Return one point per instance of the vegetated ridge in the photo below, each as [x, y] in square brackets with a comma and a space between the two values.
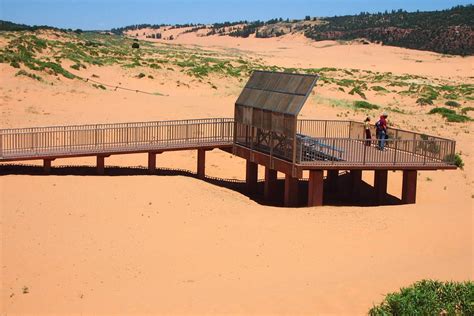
[448, 31]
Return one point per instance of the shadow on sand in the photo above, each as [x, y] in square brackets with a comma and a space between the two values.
[339, 197]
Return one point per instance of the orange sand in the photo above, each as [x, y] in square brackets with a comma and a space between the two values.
[177, 245]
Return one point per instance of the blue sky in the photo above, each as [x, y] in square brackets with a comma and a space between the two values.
[106, 14]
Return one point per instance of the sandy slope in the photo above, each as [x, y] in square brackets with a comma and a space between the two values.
[295, 50]
[176, 245]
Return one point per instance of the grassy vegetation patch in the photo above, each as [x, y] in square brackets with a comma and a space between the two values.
[424, 101]
[99, 86]
[429, 297]
[467, 109]
[358, 90]
[450, 115]
[365, 105]
[453, 104]
[379, 89]
[27, 74]
[456, 160]
[396, 110]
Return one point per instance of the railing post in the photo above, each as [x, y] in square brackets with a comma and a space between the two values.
[365, 153]
[395, 152]
[301, 151]
[222, 129]
[414, 143]
[35, 141]
[424, 152]
[333, 149]
[127, 131]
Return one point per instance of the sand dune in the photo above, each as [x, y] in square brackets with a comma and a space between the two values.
[176, 245]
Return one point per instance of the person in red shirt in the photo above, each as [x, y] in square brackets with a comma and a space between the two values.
[381, 130]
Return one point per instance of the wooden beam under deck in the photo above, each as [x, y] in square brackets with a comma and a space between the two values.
[251, 176]
[315, 188]
[409, 186]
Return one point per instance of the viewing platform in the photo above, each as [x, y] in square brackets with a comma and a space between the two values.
[265, 131]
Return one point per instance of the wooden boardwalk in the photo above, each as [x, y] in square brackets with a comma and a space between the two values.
[336, 152]
[112, 139]
[321, 147]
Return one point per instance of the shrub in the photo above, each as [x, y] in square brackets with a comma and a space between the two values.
[135, 45]
[27, 74]
[15, 64]
[379, 89]
[455, 159]
[442, 111]
[76, 66]
[359, 91]
[450, 115]
[451, 96]
[99, 86]
[453, 104]
[467, 109]
[457, 118]
[155, 66]
[365, 105]
[424, 101]
[141, 75]
[429, 297]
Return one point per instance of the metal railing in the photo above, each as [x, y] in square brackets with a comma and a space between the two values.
[344, 142]
[106, 138]
[319, 142]
[348, 151]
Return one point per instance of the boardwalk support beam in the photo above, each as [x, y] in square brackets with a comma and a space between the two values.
[101, 164]
[409, 186]
[271, 184]
[291, 191]
[355, 183]
[315, 188]
[380, 185]
[332, 179]
[251, 176]
[152, 162]
[201, 163]
[47, 166]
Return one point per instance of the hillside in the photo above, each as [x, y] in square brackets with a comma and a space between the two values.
[448, 32]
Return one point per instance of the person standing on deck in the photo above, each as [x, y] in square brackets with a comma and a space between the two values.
[368, 134]
[381, 130]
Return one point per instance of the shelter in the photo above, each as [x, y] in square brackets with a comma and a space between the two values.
[266, 112]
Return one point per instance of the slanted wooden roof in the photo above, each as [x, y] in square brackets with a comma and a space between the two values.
[278, 92]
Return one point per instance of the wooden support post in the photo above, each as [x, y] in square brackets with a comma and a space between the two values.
[380, 185]
[100, 164]
[409, 186]
[355, 183]
[251, 176]
[270, 187]
[315, 188]
[201, 164]
[47, 166]
[151, 162]
[332, 179]
[291, 191]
